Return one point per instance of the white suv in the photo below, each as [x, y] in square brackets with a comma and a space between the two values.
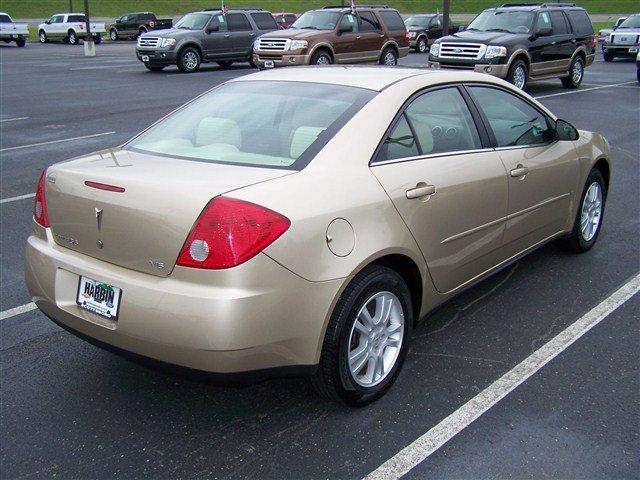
[69, 27]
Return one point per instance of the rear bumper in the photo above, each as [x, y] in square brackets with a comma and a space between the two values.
[261, 59]
[257, 316]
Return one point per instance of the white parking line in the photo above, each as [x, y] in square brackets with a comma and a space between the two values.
[583, 90]
[13, 119]
[19, 197]
[12, 312]
[436, 437]
[56, 141]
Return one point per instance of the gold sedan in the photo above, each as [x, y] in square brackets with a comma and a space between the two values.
[301, 221]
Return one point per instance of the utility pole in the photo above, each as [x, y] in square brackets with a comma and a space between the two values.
[446, 10]
[89, 45]
[70, 6]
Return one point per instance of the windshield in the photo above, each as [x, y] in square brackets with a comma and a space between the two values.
[193, 21]
[502, 21]
[317, 20]
[631, 22]
[420, 21]
[256, 123]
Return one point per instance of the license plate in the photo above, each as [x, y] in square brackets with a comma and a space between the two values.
[98, 297]
[269, 64]
[145, 58]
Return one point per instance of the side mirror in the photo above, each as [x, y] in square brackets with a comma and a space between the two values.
[462, 28]
[48, 22]
[213, 28]
[543, 32]
[615, 27]
[566, 131]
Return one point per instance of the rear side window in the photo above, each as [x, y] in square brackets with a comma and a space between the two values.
[76, 18]
[264, 21]
[581, 22]
[368, 22]
[392, 20]
[514, 122]
[559, 23]
[238, 22]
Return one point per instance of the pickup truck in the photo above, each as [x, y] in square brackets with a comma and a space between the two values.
[424, 29]
[68, 27]
[13, 32]
[131, 25]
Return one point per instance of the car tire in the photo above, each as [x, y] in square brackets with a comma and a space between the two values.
[576, 73]
[189, 60]
[113, 35]
[97, 39]
[72, 38]
[21, 42]
[369, 341]
[321, 57]
[389, 57]
[518, 74]
[588, 222]
[608, 57]
[422, 45]
[154, 68]
[42, 36]
[224, 63]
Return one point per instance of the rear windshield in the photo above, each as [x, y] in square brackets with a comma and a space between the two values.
[256, 123]
[581, 22]
[193, 21]
[392, 20]
[509, 21]
[76, 18]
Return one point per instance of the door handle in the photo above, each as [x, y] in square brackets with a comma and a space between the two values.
[226, 35]
[252, 34]
[421, 190]
[519, 171]
[357, 37]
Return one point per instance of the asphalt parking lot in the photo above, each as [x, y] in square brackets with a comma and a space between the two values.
[70, 410]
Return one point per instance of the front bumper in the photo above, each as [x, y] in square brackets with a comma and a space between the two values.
[160, 56]
[256, 316]
[495, 69]
[621, 50]
[260, 59]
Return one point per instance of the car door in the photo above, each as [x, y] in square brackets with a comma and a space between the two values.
[57, 27]
[434, 29]
[242, 34]
[542, 171]
[563, 38]
[344, 45]
[448, 186]
[370, 37]
[217, 39]
[133, 22]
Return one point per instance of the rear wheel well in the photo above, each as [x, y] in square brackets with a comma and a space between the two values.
[603, 167]
[408, 270]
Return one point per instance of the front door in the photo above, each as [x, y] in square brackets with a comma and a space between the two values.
[345, 43]
[217, 38]
[450, 191]
[540, 169]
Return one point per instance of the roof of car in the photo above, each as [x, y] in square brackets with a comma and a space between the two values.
[536, 6]
[369, 77]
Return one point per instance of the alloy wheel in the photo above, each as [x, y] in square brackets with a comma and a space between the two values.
[591, 211]
[376, 338]
[519, 77]
[390, 59]
[114, 35]
[422, 45]
[323, 60]
[577, 72]
[43, 37]
[190, 60]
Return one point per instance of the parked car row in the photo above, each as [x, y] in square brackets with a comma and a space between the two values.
[69, 28]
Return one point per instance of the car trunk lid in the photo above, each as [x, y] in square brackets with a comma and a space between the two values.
[133, 209]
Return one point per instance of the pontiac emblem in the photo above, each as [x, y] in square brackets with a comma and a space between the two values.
[98, 212]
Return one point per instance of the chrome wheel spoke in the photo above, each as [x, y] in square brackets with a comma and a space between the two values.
[359, 357]
[591, 211]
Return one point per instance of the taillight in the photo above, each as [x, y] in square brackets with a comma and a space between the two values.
[406, 36]
[229, 232]
[40, 204]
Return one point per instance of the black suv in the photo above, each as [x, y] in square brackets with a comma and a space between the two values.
[206, 36]
[522, 42]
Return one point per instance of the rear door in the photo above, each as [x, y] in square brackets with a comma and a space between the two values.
[242, 34]
[370, 36]
[449, 188]
[542, 171]
[565, 41]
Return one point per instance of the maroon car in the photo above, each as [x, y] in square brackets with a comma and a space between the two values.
[285, 20]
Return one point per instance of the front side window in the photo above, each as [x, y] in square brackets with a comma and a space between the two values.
[193, 21]
[238, 22]
[256, 123]
[219, 21]
[317, 20]
[509, 21]
[58, 19]
[5, 19]
[368, 23]
[514, 122]
[348, 23]
[543, 21]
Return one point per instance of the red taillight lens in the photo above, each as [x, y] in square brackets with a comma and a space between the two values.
[229, 232]
[40, 204]
[407, 37]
